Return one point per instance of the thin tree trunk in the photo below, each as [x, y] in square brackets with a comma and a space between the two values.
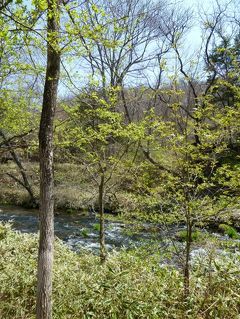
[46, 248]
[187, 259]
[103, 253]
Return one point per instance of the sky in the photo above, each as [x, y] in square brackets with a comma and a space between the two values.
[205, 6]
[191, 43]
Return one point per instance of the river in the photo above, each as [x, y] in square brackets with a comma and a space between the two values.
[78, 230]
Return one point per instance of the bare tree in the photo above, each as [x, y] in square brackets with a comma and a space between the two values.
[125, 46]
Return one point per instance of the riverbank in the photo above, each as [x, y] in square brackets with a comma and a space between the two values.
[74, 190]
[76, 193]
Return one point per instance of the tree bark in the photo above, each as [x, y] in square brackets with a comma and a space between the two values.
[187, 259]
[103, 253]
[46, 240]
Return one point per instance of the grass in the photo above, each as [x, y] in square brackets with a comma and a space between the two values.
[130, 285]
[74, 189]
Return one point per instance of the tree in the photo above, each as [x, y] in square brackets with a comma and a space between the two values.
[121, 43]
[190, 183]
[17, 124]
[19, 109]
[98, 138]
[46, 240]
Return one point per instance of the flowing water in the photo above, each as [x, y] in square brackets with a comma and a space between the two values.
[80, 231]
[77, 230]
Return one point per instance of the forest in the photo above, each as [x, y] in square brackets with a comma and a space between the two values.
[119, 159]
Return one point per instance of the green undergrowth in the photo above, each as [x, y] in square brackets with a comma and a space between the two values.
[129, 285]
[183, 235]
[230, 231]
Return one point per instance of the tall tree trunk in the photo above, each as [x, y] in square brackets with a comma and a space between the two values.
[103, 253]
[45, 254]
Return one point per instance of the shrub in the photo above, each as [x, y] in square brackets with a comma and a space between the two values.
[130, 285]
[229, 230]
[182, 235]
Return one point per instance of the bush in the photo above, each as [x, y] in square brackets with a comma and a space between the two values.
[230, 231]
[182, 235]
[130, 285]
